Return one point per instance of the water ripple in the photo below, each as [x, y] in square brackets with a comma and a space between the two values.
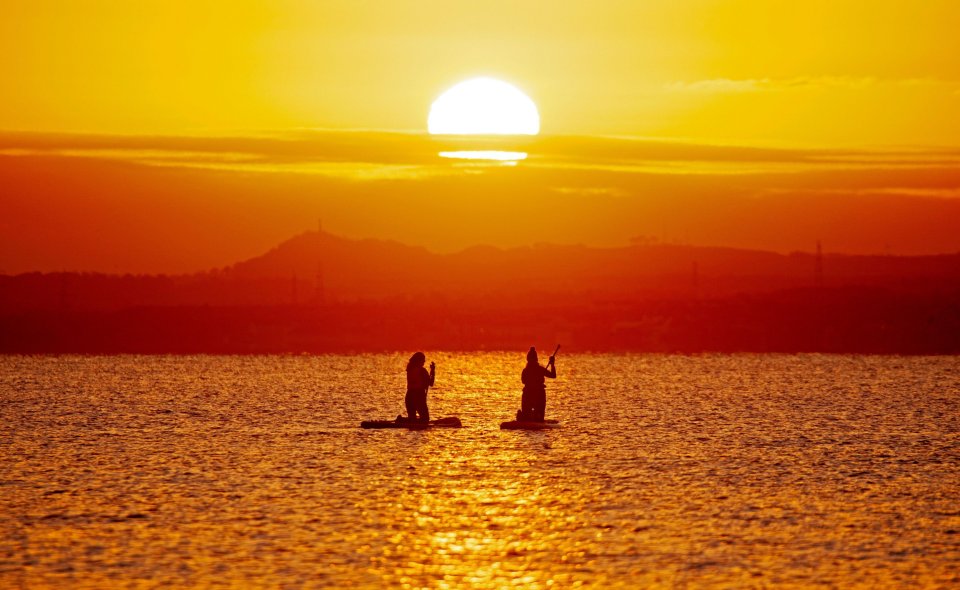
[713, 471]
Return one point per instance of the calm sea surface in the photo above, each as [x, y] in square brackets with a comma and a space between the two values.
[722, 471]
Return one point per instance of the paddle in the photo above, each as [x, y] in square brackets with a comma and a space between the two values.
[552, 359]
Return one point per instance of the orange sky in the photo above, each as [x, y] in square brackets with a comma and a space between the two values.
[160, 136]
[818, 72]
[169, 204]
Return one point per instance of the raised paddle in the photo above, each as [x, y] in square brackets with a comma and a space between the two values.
[550, 361]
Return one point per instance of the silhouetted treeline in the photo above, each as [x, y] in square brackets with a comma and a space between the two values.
[846, 320]
[319, 293]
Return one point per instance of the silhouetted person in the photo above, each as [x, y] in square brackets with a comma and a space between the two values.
[418, 381]
[533, 403]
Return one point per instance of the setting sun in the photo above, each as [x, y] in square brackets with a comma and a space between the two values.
[483, 106]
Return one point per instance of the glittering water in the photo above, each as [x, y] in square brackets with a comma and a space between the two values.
[756, 471]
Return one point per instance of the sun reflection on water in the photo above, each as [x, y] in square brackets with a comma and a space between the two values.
[489, 518]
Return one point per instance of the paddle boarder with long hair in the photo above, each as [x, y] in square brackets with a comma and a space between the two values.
[418, 381]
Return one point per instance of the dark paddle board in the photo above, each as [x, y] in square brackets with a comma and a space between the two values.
[526, 425]
[449, 422]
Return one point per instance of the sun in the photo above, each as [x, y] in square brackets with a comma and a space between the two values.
[483, 106]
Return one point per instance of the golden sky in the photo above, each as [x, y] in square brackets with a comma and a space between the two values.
[818, 72]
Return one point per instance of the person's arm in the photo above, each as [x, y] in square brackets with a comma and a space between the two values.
[433, 374]
[551, 370]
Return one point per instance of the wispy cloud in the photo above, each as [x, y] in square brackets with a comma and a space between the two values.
[592, 191]
[370, 156]
[732, 86]
[905, 191]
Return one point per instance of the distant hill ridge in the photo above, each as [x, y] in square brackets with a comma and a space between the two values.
[316, 267]
[321, 293]
[378, 263]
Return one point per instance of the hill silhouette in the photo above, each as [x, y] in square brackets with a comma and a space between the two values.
[319, 292]
[379, 268]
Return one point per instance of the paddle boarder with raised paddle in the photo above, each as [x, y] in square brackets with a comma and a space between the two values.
[533, 402]
[418, 382]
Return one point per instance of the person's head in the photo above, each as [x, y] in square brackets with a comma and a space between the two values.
[532, 356]
[417, 360]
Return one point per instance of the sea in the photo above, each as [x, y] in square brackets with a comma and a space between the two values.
[667, 471]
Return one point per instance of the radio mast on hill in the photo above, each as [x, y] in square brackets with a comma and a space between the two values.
[695, 280]
[818, 267]
[320, 287]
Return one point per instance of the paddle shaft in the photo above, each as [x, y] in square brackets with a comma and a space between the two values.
[550, 362]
